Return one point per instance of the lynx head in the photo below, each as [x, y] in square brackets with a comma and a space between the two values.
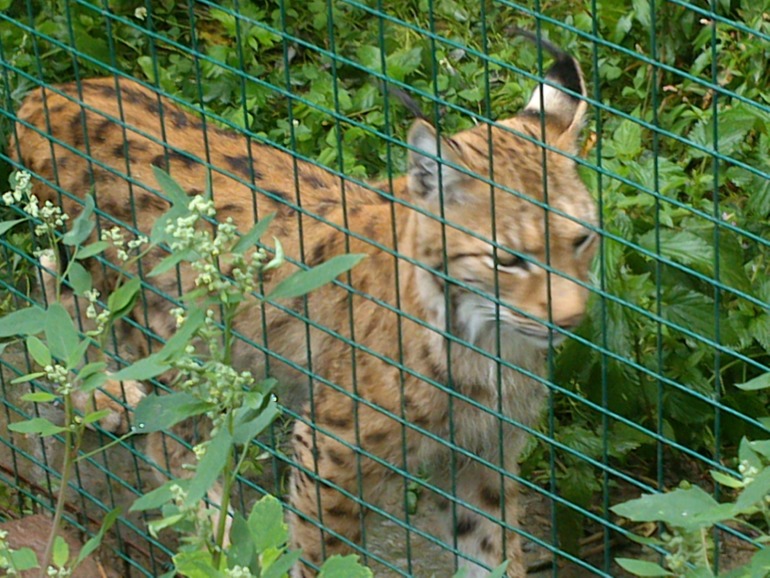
[518, 219]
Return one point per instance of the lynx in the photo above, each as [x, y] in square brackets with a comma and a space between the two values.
[475, 265]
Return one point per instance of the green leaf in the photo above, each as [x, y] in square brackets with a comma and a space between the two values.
[170, 187]
[690, 310]
[241, 551]
[733, 125]
[60, 332]
[122, 300]
[760, 330]
[196, 564]
[499, 572]
[38, 350]
[92, 249]
[83, 225]
[92, 375]
[160, 412]
[725, 480]
[167, 521]
[761, 447]
[194, 320]
[24, 559]
[92, 382]
[28, 377]
[61, 552]
[369, 56]
[628, 139]
[79, 278]
[146, 63]
[748, 456]
[95, 416]
[255, 234]
[280, 567]
[38, 397]
[302, 282]
[29, 321]
[759, 196]
[143, 369]
[78, 354]
[6, 226]
[267, 526]
[689, 509]
[682, 247]
[93, 543]
[36, 425]
[344, 567]
[642, 13]
[403, 62]
[754, 492]
[250, 423]
[278, 259]
[642, 567]
[157, 497]
[218, 451]
[761, 382]
[172, 260]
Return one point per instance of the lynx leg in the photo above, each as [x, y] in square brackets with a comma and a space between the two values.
[114, 396]
[478, 536]
[319, 504]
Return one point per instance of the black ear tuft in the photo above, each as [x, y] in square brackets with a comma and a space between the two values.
[405, 99]
[565, 72]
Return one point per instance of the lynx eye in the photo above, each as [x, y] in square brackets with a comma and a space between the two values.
[504, 260]
[584, 241]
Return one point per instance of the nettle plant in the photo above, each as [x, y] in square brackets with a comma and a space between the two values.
[237, 406]
[690, 515]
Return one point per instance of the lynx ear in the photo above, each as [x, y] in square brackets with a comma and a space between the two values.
[566, 109]
[431, 179]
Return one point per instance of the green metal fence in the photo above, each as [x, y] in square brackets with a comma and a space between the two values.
[642, 395]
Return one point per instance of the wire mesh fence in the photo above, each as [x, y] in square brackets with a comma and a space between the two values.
[298, 110]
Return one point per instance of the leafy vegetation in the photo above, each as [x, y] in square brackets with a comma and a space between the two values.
[689, 515]
[237, 406]
[677, 151]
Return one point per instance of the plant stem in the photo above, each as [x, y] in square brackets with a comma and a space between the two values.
[71, 444]
[229, 473]
[224, 507]
[229, 312]
[105, 447]
[704, 544]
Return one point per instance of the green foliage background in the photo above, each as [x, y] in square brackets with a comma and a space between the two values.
[680, 315]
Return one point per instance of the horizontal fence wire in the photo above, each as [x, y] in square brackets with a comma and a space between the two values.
[641, 396]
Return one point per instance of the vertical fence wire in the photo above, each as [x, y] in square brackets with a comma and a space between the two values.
[623, 187]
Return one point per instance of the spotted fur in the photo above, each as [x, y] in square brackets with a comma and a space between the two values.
[390, 401]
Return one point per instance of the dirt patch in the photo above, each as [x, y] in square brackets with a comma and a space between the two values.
[33, 531]
[105, 481]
